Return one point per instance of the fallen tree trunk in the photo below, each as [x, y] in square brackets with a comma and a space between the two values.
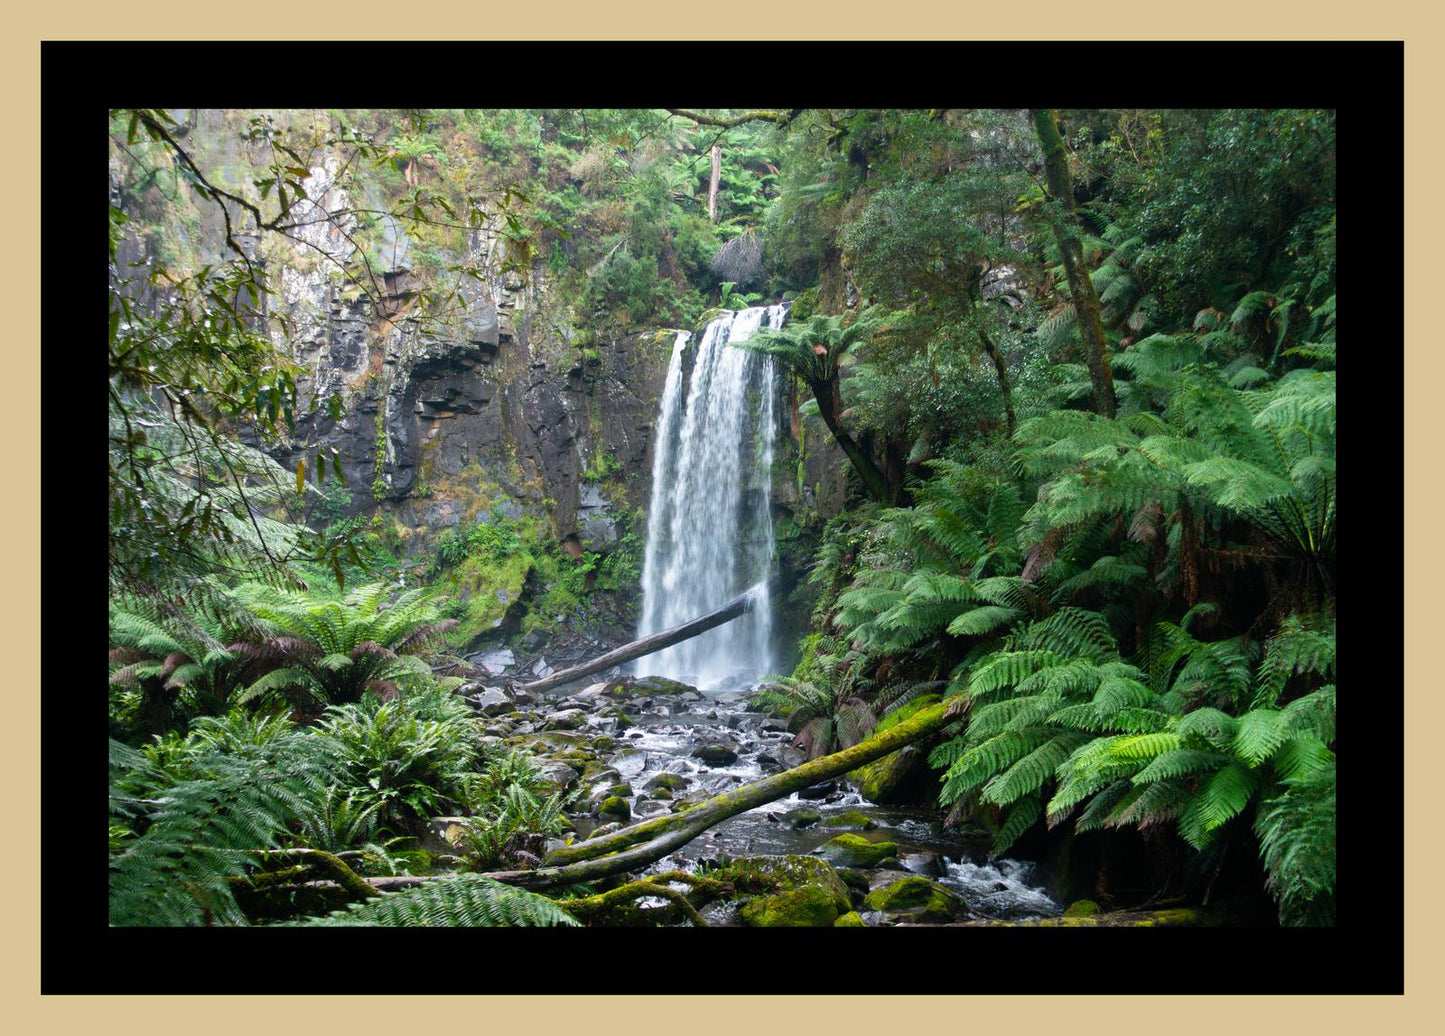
[740, 605]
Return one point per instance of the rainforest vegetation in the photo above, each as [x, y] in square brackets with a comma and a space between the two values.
[1071, 372]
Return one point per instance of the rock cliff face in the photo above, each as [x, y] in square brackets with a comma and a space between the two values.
[482, 404]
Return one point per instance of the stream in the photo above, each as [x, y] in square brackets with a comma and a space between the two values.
[658, 744]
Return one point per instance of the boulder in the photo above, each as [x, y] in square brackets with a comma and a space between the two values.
[615, 806]
[855, 851]
[716, 753]
[916, 899]
[566, 719]
[852, 820]
[801, 818]
[788, 891]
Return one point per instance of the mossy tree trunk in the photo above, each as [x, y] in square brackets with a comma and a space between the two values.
[1081, 286]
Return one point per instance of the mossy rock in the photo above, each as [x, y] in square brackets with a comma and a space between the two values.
[853, 820]
[809, 907]
[603, 743]
[624, 789]
[916, 898]
[604, 829]
[856, 851]
[660, 685]
[1081, 908]
[615, 806]
[670, 781]
[892, 778]
[791, 891]
[852, 919]
[659, 794]
[801, 818]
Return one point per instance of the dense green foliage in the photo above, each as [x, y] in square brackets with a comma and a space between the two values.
[1130, 606]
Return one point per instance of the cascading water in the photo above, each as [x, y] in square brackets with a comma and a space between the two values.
[710, 528]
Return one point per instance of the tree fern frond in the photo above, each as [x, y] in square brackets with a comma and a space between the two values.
[1216, 803]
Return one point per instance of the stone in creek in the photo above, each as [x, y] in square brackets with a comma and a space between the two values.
[630, 764]
[817, 791]
[916, 899]
[661, 685]
[560, 775]
[649, 807]
[567, 719]
[767, 762]
[801, 818]
[670, 781]
[927, 863]
[497, 662]
[615, 806]
[855, 851]
[716, 753]
[493, 701]
[852, 820]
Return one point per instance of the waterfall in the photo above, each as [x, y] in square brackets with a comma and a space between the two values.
[710, 527]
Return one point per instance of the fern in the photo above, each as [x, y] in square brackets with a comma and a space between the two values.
[463, 901]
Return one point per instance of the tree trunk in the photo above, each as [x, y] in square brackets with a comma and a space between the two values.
[1005, 384]
[826, 393]
[713, 182]
[1081, 287]
[739, 605]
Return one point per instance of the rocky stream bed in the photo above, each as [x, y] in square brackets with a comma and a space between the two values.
[632, 748]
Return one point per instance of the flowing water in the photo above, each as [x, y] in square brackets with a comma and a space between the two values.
[710, 529]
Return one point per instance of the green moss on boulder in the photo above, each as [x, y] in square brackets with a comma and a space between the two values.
[853, 820]
[916, 898]
[856, 851]
[615, 806]
[790, 891]
[852, 919]
[1081, 908]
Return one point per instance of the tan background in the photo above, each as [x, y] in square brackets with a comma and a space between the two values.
[26, 24]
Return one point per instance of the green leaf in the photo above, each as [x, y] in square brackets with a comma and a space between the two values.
[301, 475]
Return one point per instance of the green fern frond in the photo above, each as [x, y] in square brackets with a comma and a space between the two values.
[1021, 816]
[1216, 803]
[1180, 762]
[463, 901]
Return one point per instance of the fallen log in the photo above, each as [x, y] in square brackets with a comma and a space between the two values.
[740, 605]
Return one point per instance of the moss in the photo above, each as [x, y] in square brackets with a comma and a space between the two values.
[856, 851]
[852, 919]
[791, 891]
[918, 897]
[801, 818]
[852, 819]
[615, 806]
[670, 781]
[809, 907]
[1081, 908]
